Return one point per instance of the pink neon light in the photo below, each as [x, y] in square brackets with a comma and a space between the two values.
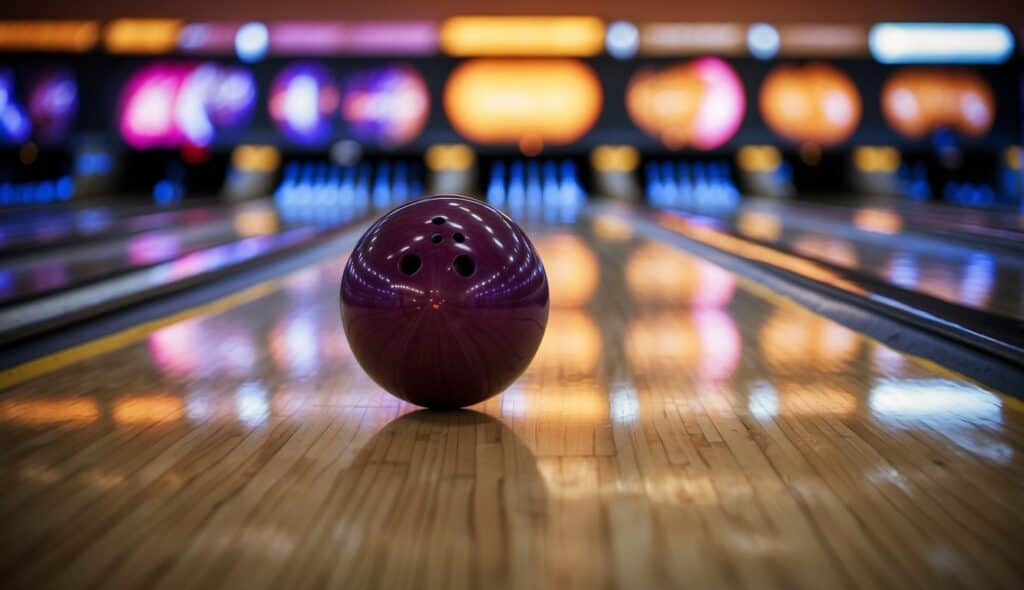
[723, 104]
[208, 37]
[341, 38]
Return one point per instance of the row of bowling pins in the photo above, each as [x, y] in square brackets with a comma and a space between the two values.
[915, 185]
[326, 193]
[36, 193]
[969, 194]
[914, 181]
[545, 190]
[690, 184]
[170, 190]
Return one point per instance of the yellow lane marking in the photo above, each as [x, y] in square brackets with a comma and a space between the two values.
[58, 360]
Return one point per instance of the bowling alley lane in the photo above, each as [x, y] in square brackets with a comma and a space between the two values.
[34, 229]
[876, 242]
[33, 275]
[679, 425]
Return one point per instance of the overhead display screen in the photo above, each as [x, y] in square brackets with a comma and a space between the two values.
[659, 105]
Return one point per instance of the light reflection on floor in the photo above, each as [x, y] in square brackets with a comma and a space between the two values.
[663, 382]
[952, 272]
[685, 317]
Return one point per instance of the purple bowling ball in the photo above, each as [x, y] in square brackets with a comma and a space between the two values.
[444, 301]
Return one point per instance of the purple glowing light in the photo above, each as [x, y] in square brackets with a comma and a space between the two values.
[721, 110]
[208, 37]
[15, 125]
[176, 104]
[302, 98]
[387, 105]
[394, 37]
[352, 38]
[52, 103]
[230, 96]
[149, 248]
[307, 38]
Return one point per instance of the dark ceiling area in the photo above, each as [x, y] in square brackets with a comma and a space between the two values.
[861, 11]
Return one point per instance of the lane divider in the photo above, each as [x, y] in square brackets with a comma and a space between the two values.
[64, 357]
[58, 360]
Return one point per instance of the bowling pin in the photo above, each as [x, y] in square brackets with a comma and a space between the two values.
[496, 185]
[382, 187]
[686, 196]
[400, 185]
[571, 193]
[670, 184]
[517, 190]
[362, 187]
[534, 192]
[653, 186]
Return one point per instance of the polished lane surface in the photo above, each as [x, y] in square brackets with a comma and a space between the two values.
[49, 227]
[875, 241]
[36, 274]
[931, 217]
[679, 426]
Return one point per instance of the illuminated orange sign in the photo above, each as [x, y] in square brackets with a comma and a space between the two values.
[28, 35]
[131, 35]
[814, 103]
[523, 101]
[523, 35]
[699, 103]
[917, 101]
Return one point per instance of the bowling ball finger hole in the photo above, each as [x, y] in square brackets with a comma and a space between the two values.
[464, 265]
[409, 264]
[437, 220]
[459, 238]
[436, 238]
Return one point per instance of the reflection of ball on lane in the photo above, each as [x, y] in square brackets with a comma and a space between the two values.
[444, 301]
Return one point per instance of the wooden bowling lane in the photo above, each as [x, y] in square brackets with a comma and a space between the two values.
[679, 427]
